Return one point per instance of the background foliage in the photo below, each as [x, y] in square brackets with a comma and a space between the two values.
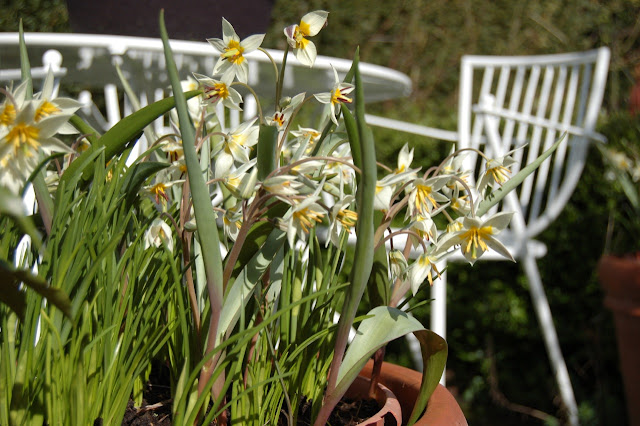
[498, 365]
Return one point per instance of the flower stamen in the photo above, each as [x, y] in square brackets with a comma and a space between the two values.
[25, 137]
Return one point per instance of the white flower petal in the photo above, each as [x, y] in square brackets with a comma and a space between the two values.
[323, 98]
[307, 56]
[228, 33]
[217, 43]
[252, 42]
[499, 247]
[315, 21]
[223, 163]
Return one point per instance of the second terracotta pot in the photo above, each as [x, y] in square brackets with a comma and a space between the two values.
[620, 279]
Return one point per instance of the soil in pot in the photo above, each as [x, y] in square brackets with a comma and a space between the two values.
[355, 409]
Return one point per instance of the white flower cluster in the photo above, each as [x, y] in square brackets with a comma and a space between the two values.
[28, 129]
[315, 179]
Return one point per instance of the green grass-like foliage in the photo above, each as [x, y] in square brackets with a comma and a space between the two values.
[73, 370]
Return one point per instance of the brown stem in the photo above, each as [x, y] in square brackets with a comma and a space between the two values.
[186, 255]
[378, 358]
[399, 290]
[191, 288]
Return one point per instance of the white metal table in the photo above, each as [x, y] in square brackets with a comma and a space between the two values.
[87, 61]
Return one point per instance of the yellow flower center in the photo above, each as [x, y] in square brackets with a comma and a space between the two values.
[500, 174]
[299, 34]
[218, 90]
[234, 181]
[427, 263]
[25, 137]
[424, 198]
[305, 29]
[8, 114]
[159, 189]
[45, 110]
[229, 222]
[347, 218]
[454, 226]
[175, 155]
[474, 237]
[306, 217]
[233, 52]
[278, 117]
[337, 96]
[458, 203]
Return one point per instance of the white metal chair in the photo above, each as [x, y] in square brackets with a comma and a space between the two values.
[529, 102]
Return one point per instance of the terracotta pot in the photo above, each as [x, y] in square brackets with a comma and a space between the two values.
[620, 278]
[442, 409]
[386, 399]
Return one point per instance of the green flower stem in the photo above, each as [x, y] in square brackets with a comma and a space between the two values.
[255, 95]
[273, 62]
[281, 76]
[205, 215]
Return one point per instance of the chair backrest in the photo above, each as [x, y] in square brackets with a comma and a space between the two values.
[526, 103]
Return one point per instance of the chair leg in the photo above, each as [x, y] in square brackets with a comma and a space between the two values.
[439, 307]
[541, 306]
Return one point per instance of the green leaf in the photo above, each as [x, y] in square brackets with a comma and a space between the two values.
[243, 286]
[25, 67]
[517, 179]
[85, 129]
[11, 206]
[434, 358]
[10, 279]
[354, 139]
[138, 174]
[379, 286]
[363, 256]
[383, 325]
[126, 130]
[203, 211]
[266, 155]
[257, 235]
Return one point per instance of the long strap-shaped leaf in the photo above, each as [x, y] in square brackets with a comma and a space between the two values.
[126, 130]
[205, 216]
[363, 257]
[242, 288]
[516, 180]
